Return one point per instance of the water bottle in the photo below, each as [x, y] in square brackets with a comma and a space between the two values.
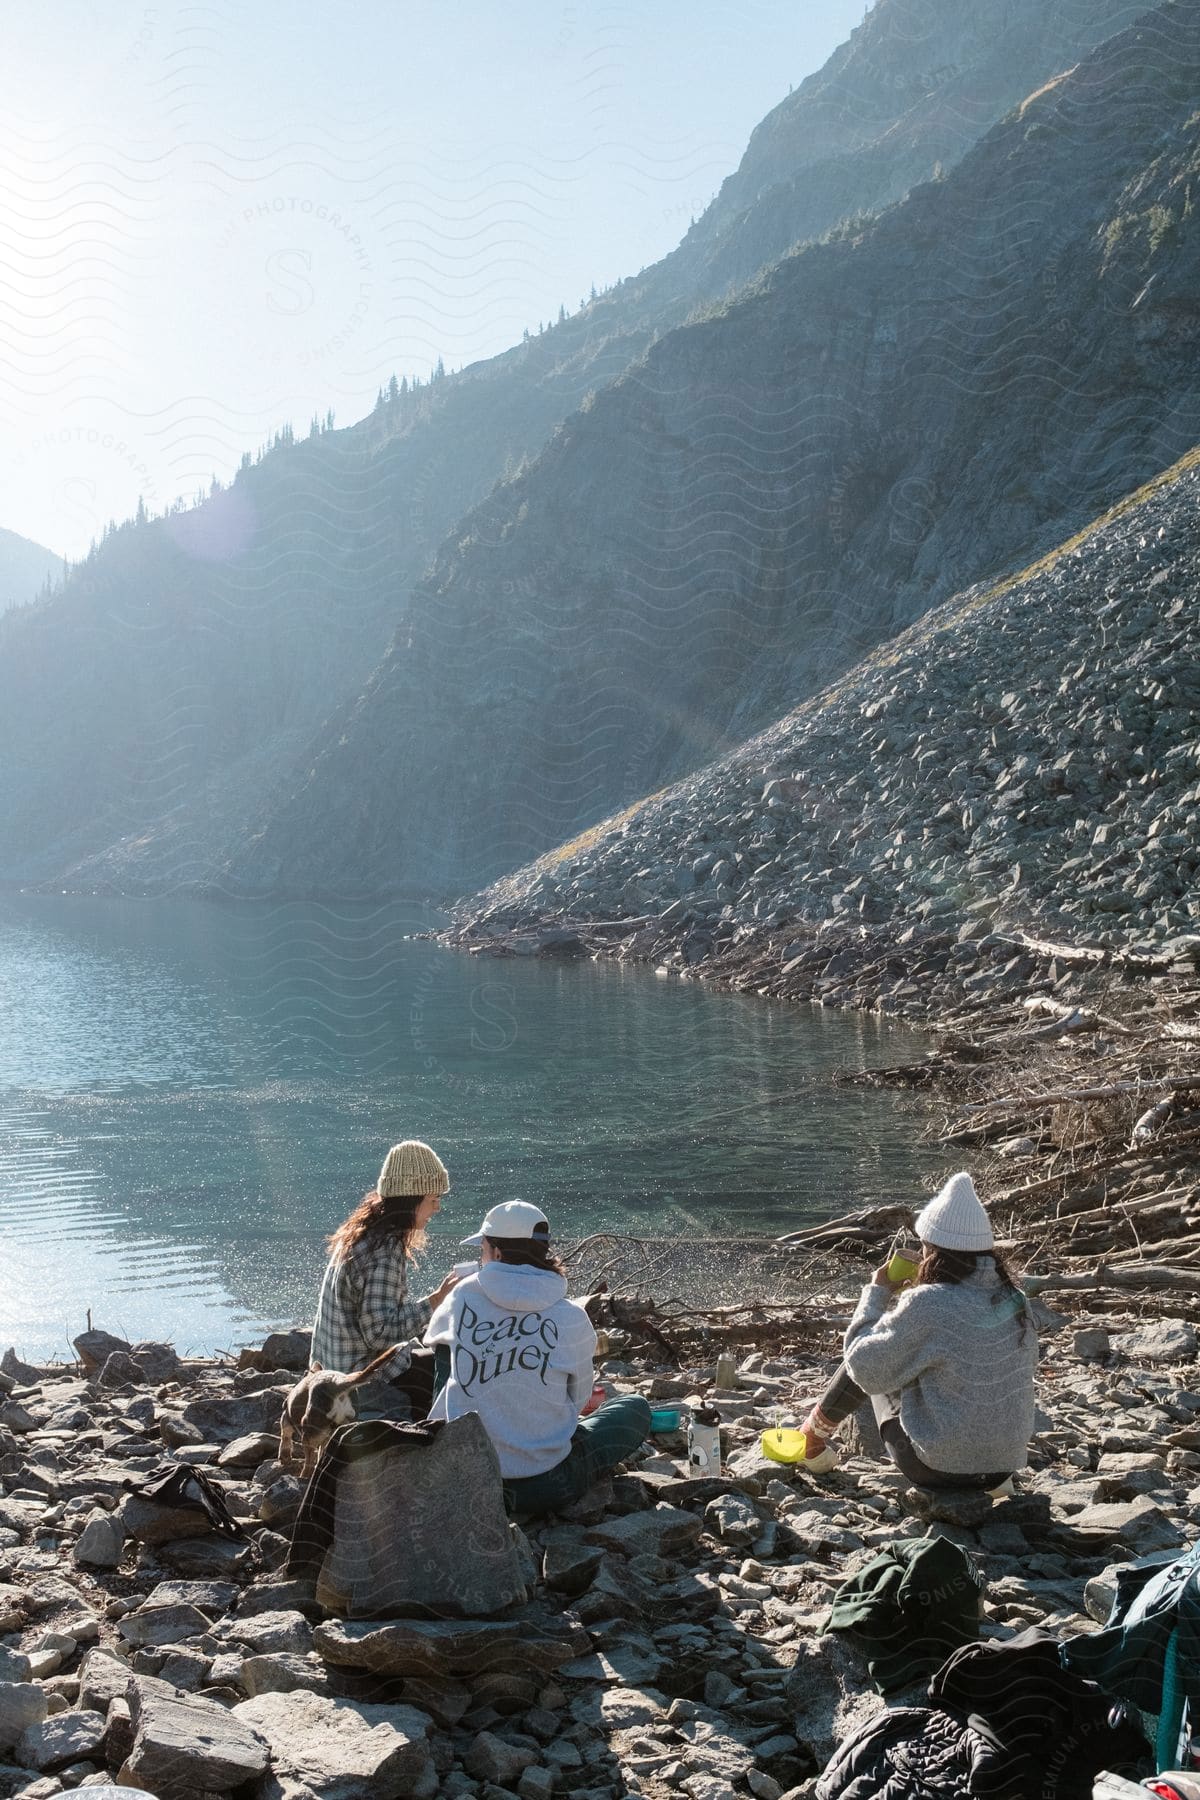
[726, 1373]
[704, 1441]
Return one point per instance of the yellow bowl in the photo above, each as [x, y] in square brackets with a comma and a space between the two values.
[783, 1445]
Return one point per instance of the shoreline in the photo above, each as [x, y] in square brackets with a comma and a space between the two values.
[1067, 1074]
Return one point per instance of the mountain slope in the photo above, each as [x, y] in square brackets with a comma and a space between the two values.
[25, 568]
[1025, 756]
[286, 591]
[884, 419]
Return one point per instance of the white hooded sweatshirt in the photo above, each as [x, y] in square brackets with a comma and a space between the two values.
[521, 1357]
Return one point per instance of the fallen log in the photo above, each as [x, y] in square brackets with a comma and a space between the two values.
[1175, 1246]
[1111, 1090]
[1152, 1276]
[1085, 956]
[858, 1227]
[1069, 1019]
[1150, 1121]
[1149, 1206]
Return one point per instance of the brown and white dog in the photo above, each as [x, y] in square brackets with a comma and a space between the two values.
[316, 1406]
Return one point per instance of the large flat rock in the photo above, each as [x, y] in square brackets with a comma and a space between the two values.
[661, 1531]
[1138, 1524]
[1166, 1341]
[339, 1748]
[68, 1737]
[431, 1648]
[184, 1746]
[224, 1417]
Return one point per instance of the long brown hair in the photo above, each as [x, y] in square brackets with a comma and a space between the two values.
[529, 1253]
[377, 1218]
[950, 1267]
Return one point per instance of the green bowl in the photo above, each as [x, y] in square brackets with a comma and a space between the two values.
[665, 1418]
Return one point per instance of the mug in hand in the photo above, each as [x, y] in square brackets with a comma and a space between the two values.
[904, 1260]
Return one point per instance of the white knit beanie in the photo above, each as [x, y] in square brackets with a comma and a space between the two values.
[955, 1219]
[411, 1168]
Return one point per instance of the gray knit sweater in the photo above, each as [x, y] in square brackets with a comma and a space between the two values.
[960, 1361]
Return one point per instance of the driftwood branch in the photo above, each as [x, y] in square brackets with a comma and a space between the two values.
[856, 1227]
[1066, 1020]
[1151, 1121]
[1110, 1090]
[1149, 1276]
[1083, 956]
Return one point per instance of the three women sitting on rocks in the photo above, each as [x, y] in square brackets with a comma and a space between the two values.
[949, 1368]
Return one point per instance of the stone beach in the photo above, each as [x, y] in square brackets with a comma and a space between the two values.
[673, 1639]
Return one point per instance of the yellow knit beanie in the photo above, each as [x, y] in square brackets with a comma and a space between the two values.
[412, 1168]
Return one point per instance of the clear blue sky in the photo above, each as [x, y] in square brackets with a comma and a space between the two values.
[216, 218]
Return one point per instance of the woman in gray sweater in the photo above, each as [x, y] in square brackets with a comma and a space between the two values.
[949, 1368]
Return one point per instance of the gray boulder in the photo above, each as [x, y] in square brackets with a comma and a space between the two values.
[271, 1632]
[22, 1373]
[283, 1672]
[103, 1678]
[733, 1518]
[120, 1370]
[184, 1745]
[22, 1705]
[101, 1542]
[434, 1648]
[68, 1737]
[288, 1350]
[568, 1565]
[1138, 1524]
[224, 1417]
[1168, 1341]
[320, 1746]
[95, 1347]
[660, 1532]
[163, 1625]
[158, 1362]
[490, 1758]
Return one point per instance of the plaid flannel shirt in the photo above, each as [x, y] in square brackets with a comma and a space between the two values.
[363, 1307]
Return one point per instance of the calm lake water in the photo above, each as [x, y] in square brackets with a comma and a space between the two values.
[193, 1096]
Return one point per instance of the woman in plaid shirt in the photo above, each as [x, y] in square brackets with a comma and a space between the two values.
[364, 1305]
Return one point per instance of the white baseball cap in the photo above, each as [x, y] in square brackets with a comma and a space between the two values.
[511, 1219]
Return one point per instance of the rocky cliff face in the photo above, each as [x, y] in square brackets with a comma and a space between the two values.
[916, 85]
[149, 715]
[1025, 756]
[885, 419]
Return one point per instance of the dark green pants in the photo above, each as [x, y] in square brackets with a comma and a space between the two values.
[601, 1441]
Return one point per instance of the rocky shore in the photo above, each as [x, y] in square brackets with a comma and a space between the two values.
[673, 1639]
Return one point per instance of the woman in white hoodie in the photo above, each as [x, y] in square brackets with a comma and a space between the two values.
[520, 1355]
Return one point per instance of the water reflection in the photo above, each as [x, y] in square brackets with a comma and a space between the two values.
[192, 1096]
